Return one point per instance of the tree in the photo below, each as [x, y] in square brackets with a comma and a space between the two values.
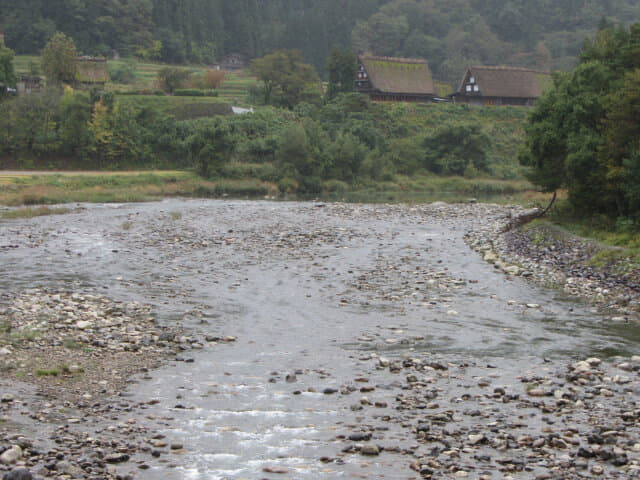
[341, 66]
[59, 60]
[286, 79]
[7, 74]
[452, 148]
[172, 78]
[211, 146]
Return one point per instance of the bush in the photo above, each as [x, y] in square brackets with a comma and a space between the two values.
[123, 73]
[190, 111]
[288, 185]
[171, 78]
[213, 79]
[188, 92]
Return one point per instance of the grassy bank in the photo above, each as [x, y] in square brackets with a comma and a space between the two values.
[621, 241]
[99, 187]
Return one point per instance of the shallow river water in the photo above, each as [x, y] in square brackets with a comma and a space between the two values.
[317, 292]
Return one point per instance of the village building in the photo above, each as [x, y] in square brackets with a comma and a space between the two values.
[29, 84]
[502, 86]
[92, 72]
[395, 79]
[230, 62]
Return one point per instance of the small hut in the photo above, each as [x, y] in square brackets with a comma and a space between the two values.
[233, 61]
[29, 84]
[395, 79]
[502, 86]
[92, 72]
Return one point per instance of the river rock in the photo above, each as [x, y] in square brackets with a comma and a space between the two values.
[18, 474]
[370, 449]
[12, 455]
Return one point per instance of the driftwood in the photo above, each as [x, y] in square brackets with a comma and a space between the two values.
[528, 216]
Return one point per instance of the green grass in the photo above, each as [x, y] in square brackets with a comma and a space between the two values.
[33, 212]
[21, 64]
[611, 248]
[97, 187]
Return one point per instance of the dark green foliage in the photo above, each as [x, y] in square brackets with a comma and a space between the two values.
[189, 92]
[286, 79]
[450, 34]
[452, 149]
[7, 73]
[211, 146]
[583, 135]
[171, 78]
[341, 69]
[59, 60]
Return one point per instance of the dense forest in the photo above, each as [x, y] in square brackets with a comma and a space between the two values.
[450, 33]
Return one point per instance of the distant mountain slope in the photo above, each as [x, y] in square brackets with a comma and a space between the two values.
[451, 34]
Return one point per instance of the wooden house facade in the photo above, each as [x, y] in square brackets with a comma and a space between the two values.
[394, 79]
[502, 86]
[29, 84]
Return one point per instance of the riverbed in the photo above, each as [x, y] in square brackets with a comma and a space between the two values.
[369, 341]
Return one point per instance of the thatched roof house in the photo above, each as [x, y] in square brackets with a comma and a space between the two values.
[395, 79]
[92, 71]
[502, 86]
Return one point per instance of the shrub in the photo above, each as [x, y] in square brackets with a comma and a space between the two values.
[171, 78]
[213, 79]
[188, 92]
[288, 185]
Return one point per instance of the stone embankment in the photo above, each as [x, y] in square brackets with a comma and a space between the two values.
[552, 257]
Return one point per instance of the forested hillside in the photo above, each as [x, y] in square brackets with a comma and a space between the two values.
[449, 33]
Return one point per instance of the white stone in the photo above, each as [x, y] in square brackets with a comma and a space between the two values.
[11, 456]
[82, 324]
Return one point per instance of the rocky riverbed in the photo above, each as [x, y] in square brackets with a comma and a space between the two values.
[194, 339]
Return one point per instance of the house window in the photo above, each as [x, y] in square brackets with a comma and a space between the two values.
[472, 79]
[475, 88]
[468, 88]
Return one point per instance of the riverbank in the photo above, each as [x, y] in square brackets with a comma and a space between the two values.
[551, 256]
[52, 188]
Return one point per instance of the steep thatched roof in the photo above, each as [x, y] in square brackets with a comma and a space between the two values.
[507, 82]
[92, 70]
[399, 75]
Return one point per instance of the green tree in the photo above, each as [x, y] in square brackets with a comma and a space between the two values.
[583, 134]
[59, 60]
[211, 146]
[621, 150]
[294, 152]
[7, 73]
[341, 67]
[285, 77]
[452, 148]
[172, 78]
